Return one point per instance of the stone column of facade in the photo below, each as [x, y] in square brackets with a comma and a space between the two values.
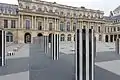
[35, 24]
[19, 22]
[22, 22]
[55, 26]
[55, 46]
[32, 27]
[58, 24]
[85, 54]
[47, 24]
[44, 23]
[71, 26]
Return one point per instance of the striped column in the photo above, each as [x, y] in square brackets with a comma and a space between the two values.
[117, 42]
[3, 47]
[46, 44]
[55, 46]
[85, 54]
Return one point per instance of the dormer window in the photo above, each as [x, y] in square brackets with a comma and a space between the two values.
[39, 9]
[27, 7]
[74, 14]
[33, 7]
[61, 13]
[50, 11]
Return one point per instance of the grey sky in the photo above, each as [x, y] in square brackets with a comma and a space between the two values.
[104, 5]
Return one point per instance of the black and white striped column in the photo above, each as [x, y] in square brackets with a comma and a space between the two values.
[55, 46]
[117, 42]
[85, 54]
[46, 44]
[2, 47]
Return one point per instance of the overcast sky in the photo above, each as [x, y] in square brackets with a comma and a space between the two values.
[104, 5]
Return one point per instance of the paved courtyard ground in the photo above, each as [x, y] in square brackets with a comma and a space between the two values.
[31, 63]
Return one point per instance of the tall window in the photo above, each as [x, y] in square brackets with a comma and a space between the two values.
[105, 29]
[98, 29]
[50, 26]
[39, 25]
[62, 37]
[114, 28]
[62, 26]
[68, 26]
[5, 23]
[91, 27]
[69, 37]
[100, 38]
[27, 24]
[111, 29]
[108, 29]
[13, 23]
[74, 37]
[74, 26]
[118, 29]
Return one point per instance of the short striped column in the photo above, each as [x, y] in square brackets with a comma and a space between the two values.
[2, 47]
[55, 46]
[46, 44]
[117, 42]
[85, 53]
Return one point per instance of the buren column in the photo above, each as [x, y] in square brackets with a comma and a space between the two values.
[55, 46]
[117, 46]
[85, 54]
[2, 47]
[46, 44]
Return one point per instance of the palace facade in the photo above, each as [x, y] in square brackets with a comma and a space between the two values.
[33, 18]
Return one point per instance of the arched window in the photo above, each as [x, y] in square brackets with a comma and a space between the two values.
[74, 26]
[9, 37]
[50, 26]
[62, 26]
[69, 37]
[68, 26]
[62, 37]
[27, 24]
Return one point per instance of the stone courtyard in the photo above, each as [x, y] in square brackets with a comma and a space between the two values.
[31, 63]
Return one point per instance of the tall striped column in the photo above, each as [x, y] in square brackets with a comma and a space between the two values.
[2, 47]
[46, 44]
[85, 54]
[55, 46]
[117, 42]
